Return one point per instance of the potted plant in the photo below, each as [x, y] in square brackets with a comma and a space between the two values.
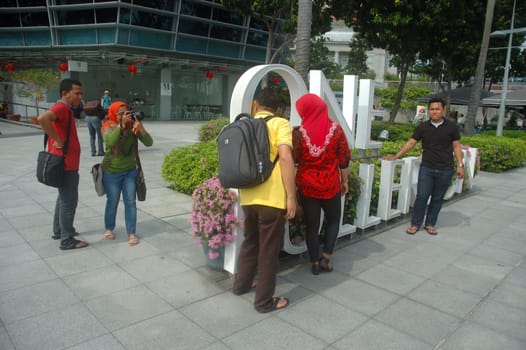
[213, 219]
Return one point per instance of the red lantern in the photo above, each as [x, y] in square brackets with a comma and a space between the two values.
[209, 74]
[63, 67]
[132, 69]
[10, 67]
[277, 80]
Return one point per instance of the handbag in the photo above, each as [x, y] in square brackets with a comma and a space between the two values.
[140, 184]
[96, 173]
[50, 167]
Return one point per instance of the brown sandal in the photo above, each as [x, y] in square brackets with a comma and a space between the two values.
[109, 235]
[431, 230]
[133, 240]
[411, 230]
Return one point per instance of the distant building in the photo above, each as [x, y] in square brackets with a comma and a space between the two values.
[338, 42]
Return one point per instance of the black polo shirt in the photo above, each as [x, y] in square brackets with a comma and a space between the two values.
[437, 144]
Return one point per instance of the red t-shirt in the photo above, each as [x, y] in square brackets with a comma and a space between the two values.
[64, 114]
[319, 177]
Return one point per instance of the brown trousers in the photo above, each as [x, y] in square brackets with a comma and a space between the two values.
[259, 253]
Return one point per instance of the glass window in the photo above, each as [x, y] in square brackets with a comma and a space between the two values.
[34, 19]
[193, 27]
[153, 20]
[167, 5]
[9, 20]
[227, 17]
[197, 10]
[9, 3]
[38, 38]
[76, 17]
[224, 49]
[106, 15]
[27, 3]
[106, 35]
[78, 36]
[11, 39]
[225, 33]
[258, 24]
[191, 45]
[150, 39]
[257, 38]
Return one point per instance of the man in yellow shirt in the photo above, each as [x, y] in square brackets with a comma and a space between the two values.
[267, 207]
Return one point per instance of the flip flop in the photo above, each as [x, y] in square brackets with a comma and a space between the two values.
[109, 235]
[276, 303]
[431, 230]
[133, 241]
[411, 230]
[74, 244]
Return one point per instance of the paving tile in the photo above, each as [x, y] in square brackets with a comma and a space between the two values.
[415, 264]
[167, 331]
[223, 314]
[499, 255]
[376, 335]
[445, 298]
[5, 342]
[303, 276]
[184, 288]
[420, 321]
[510, 294]
[123, 308]
[23, 210]
[315, 316]
[371, 249]
[466, 280]
[44, 231]
[392, 279]
[33, 300]
[107, 280]
[483, 267]
[106, 342]
[475, 336]
[518, 276]
[273, 333]
[75, 261]
[10, 238]
[217, 346]
[153, 267]
[55, 330]
[169, 241]
[17, 254]
[24, 274]
[360, 296]
[21, 222]
[502, 318]
[119, 250]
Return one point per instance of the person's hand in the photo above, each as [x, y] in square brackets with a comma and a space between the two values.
[390, 157]
[138, 128]
[345, 187]
[291, 208]
[460, 172]
[126, 118]
[58, 144]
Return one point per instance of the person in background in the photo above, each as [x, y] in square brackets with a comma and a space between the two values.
[121, 134]
[55, 122]
[440, 140]
[105, 102]
[94, 117]
[322, 155]
[266, 207]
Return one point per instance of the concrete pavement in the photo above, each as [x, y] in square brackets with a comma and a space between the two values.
[463, 289]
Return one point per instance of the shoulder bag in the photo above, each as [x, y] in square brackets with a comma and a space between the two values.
[139, 182]
[50, 167]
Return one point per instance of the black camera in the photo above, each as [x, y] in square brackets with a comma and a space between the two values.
[136, 115]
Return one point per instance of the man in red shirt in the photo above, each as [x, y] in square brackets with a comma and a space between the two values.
[55, 122]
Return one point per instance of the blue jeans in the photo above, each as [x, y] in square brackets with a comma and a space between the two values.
[114, 184]
[66, 206]
[431, 183]
[94, 124]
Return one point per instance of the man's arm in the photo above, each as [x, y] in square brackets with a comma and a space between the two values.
[458, 154]
[45, 120]
[405, 148]
[286, 164]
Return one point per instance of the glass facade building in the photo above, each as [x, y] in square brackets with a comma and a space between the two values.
[187, 54]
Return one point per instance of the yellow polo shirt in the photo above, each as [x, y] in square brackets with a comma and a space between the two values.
[271, 192]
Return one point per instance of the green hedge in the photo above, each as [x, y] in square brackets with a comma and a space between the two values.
[209, 131]
[186, 167]
[498, 154]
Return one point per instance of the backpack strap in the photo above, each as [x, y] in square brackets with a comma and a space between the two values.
[66, 142]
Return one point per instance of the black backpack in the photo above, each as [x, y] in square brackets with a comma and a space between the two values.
[244, 152]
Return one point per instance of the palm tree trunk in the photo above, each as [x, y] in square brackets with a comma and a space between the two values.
[403, 77]
[303, 38]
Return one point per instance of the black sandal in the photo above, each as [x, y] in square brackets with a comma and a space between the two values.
[325, 264]
[73, 243]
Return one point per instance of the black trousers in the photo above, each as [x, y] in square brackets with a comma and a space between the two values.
[311, 216]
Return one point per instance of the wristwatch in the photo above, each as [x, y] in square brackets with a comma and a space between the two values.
[460, 166]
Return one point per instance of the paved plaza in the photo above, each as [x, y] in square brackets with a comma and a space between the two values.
[463, 289]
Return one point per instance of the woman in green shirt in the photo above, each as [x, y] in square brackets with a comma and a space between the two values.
[121, 134]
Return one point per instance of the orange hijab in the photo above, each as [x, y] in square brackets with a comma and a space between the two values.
[112, 120]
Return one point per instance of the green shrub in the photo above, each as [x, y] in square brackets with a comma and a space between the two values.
[209, 130]
[396, 131]
[186, 167]
[498, 154]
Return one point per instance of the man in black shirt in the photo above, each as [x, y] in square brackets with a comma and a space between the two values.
[440, 139]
